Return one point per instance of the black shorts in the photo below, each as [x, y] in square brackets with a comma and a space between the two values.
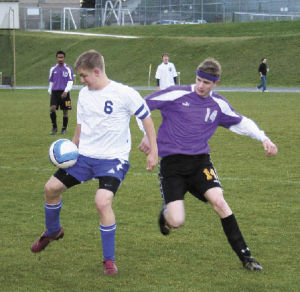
[59, 102]
[105, 182]
[179, 174]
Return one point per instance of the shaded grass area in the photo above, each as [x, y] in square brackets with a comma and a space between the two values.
[239, 48]
[263, 192]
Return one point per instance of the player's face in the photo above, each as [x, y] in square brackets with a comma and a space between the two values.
[89, 78]
[204, 86]
[60, 58]
[165, 59]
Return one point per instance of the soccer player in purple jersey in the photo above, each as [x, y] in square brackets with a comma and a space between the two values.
[190, 116]
[60, 85]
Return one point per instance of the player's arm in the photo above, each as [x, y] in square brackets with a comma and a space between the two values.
[50, 87]
[77, 134]
[249, 128]
[69, 84]
[152, 152]
[50, 81]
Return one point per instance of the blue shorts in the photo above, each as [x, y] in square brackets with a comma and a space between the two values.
[87, 168]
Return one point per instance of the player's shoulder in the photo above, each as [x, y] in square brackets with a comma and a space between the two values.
[53, 67]
[217, 96]
[121, 87]
[68, 67]
[83, 91]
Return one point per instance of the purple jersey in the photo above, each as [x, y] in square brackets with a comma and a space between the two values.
[189, 120]
[60, 75]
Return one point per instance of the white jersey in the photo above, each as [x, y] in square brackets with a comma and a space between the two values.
[104, 116]
[165, 73]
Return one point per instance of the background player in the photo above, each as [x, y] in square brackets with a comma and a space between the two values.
[166, 73]
[104, 141]
[191, 115]
[60, 85]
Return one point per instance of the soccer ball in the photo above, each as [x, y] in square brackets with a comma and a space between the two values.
[63, 153]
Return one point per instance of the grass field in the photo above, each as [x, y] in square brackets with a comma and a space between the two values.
[238, 46]
[263, 192]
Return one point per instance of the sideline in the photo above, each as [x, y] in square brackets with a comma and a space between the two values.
[92, 34]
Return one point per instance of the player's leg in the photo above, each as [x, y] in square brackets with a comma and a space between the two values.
[54, 188]
[173, 188]
[174, 213]
[65, 122]
[65, 106]
[54, 102]
[53, 119]
[231, 228]
[103, 200]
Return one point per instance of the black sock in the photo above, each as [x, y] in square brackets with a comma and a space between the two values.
[65, 122]
[53, 119]
[235, 237]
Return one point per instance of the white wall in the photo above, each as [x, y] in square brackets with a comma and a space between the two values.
[9, 15]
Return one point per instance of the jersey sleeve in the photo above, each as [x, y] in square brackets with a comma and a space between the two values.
[228, 115]
[50, 79]
[163, 98]
[158, 73]
[174, 70]
[137, 105]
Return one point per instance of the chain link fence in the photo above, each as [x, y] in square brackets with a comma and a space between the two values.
[146, 12]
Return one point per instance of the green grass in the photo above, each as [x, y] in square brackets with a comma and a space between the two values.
[263, 193]
[238, 46]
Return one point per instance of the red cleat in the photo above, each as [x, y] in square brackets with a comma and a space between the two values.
[44, 240]
[110, 267]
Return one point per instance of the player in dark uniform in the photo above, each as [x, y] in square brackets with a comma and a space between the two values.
[60, 85]
[191, 115]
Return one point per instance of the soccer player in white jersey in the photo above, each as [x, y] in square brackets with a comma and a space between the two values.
[191, 115]
[104, 142]
[165, 73]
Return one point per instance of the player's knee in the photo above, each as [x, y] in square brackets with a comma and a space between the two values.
[51, 191]
[102, 204]
[219, 205]
[175, 220]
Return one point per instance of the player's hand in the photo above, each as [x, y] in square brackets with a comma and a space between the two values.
[152, 160]
[152, 157]
[145, 145]
[64, 95]
[269, 147]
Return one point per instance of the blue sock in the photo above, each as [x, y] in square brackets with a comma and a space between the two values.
[108, 241]
[52, 218]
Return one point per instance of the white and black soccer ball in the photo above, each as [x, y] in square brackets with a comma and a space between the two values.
[63, 153]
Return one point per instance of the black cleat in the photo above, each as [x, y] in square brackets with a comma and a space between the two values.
[251, 264]
[63, 131]
[163, 225]
[54, 131]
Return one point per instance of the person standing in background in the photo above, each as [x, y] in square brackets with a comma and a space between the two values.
[262, 70]
[60, 85]
[166, 73]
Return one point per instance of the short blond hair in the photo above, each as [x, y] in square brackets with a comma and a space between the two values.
[90, 60]
[211, 66]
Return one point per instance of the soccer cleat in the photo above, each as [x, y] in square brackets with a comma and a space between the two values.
[63, 131]
[163, 225]
[44, 240]
[251, 264]
[110, 267]
[54, 131]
